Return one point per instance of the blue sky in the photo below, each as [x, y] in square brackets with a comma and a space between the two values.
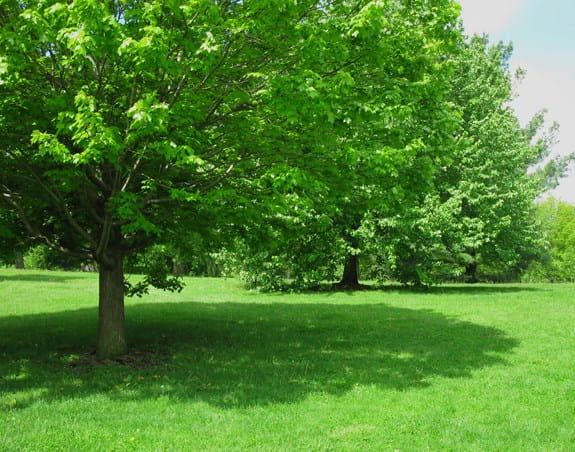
[543, 30]
[543, 36]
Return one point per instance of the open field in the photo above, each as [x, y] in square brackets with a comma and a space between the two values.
[220, 368]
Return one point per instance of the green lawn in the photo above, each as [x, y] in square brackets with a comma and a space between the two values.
[219, 368]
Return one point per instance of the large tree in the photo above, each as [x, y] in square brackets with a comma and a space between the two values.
[404, 129]
[115, 115]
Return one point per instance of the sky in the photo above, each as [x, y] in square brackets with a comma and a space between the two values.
[543, 36]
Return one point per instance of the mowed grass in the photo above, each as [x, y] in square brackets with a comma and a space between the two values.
[217, 367]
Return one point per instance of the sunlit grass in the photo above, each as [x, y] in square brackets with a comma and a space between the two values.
[220, 368]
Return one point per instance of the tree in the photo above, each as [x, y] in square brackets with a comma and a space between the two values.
[405, 127]
[481, 211]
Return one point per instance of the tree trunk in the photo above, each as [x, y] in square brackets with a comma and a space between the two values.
[350, 272]
[178, 268]
[111, 324]
[19, 260]
[471, 273]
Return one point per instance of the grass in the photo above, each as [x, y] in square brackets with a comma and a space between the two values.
[220, 368]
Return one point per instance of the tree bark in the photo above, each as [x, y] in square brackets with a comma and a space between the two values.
[111, 321]
[19, 260]
[350, 276]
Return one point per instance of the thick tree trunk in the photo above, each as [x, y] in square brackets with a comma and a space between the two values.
[19, 260]
[111, 324]
[350, 277]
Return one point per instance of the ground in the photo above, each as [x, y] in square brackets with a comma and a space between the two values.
[217, 367]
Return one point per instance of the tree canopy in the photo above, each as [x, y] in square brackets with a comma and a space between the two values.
[457, 196]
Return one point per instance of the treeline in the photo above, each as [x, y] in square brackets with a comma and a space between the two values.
[452, 200]
[553, 261]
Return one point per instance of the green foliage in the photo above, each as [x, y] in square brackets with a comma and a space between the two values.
[296, 245]
[156, 263]
[478, 220]
[293, 262]
[389, 122]
[416, 247]
[120, 116]
[558, 223]
[41, 257]
[13, 241]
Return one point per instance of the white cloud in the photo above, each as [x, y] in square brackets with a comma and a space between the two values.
[543, 87]
[553, 90]
[566, 189]
[488, 16]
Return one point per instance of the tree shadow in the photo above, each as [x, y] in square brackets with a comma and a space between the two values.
[238, 354]
[460, 289]
[35, 277]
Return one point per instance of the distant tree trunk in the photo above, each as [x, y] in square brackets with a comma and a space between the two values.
[178, 268]
[111, 322]
[91, 267]
[19, 260]
[350, 278]
[212, 268]
[471, 273]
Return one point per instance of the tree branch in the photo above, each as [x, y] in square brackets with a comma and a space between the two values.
[60, 204]
[35, 232]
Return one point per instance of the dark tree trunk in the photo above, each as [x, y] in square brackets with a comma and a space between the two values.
[19, 260]
[350, 277]
[111, 324]
[471, 273]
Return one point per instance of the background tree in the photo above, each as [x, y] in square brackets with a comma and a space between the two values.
[558, 263]
[404, 127]
[482, 211]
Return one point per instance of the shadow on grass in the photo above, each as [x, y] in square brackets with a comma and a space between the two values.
[460, 289]
[463, 289]
[236, 354]
[35, 277]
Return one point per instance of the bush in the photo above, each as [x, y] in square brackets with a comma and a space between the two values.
[41, 257]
